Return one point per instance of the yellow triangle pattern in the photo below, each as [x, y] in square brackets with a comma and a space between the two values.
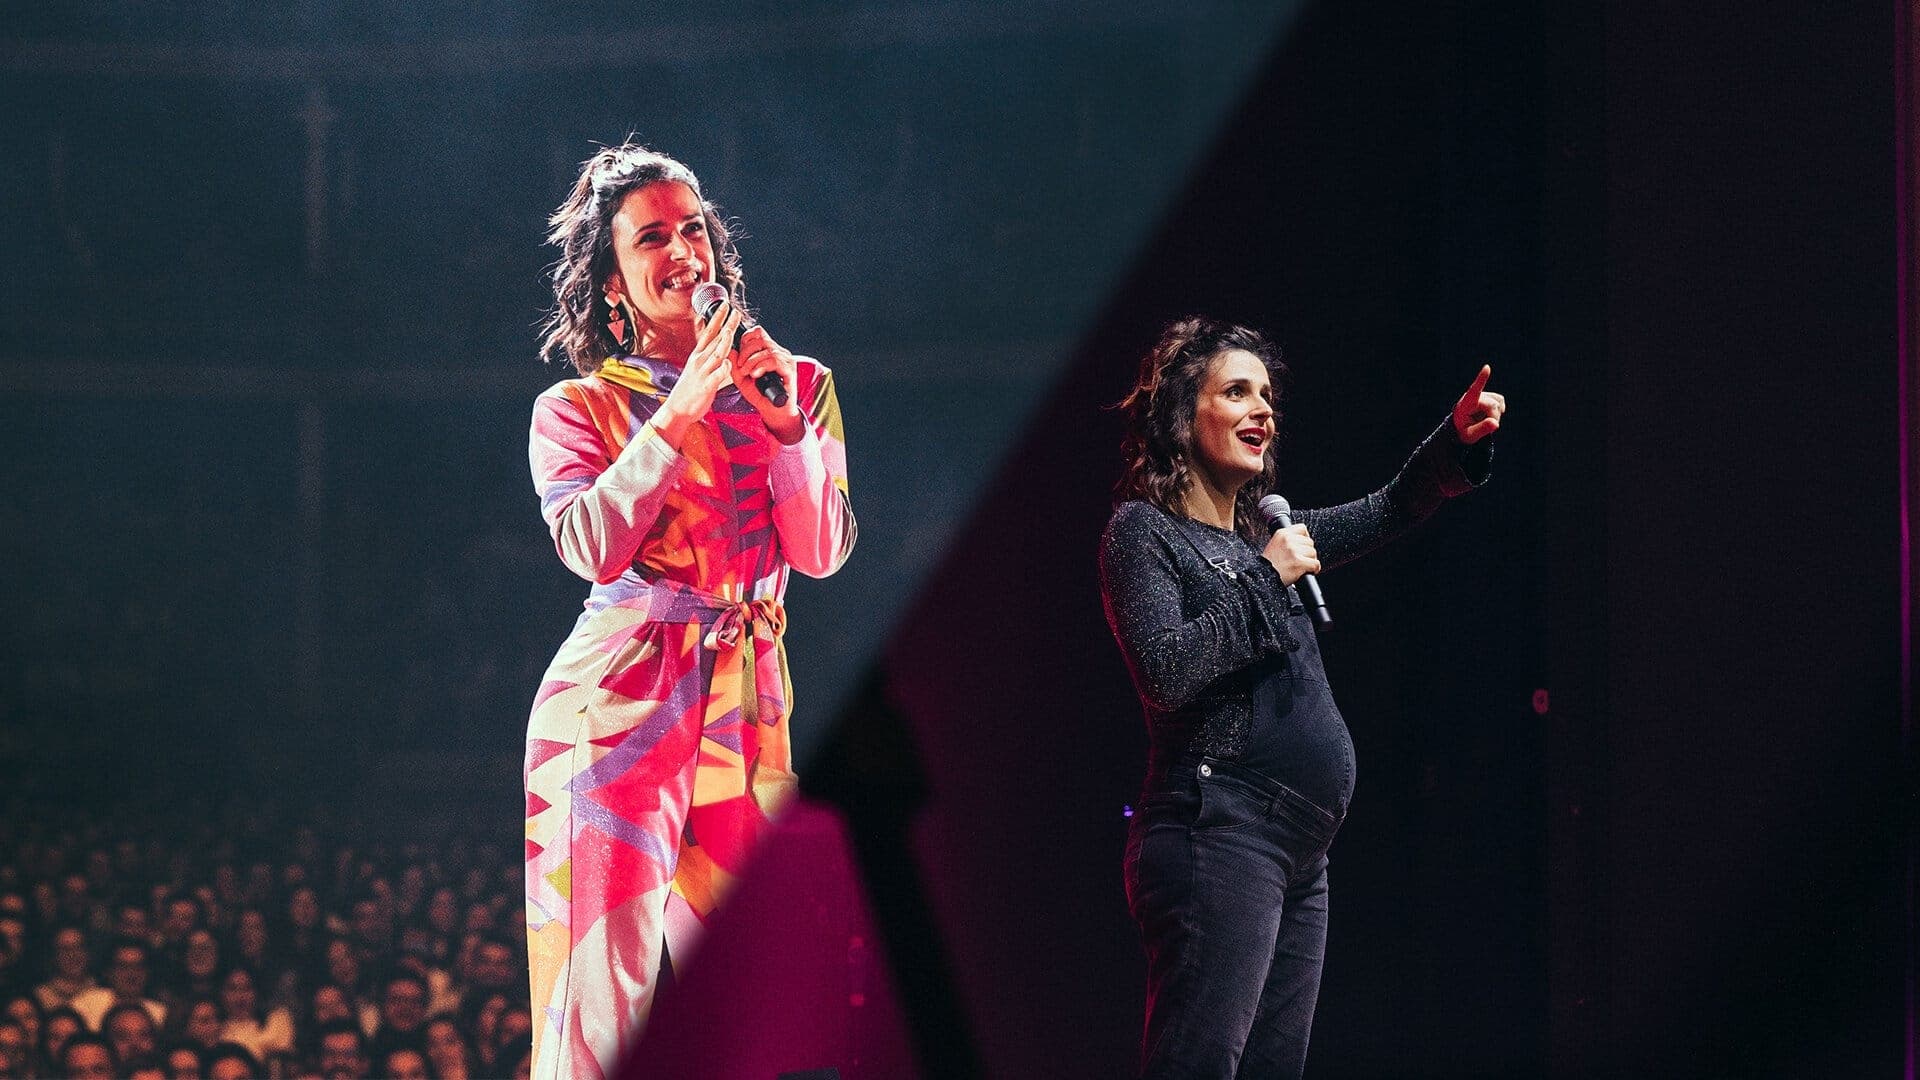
[562, 879]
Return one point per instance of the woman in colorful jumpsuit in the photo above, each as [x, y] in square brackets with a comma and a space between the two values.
[1249, 762]
[657, 752]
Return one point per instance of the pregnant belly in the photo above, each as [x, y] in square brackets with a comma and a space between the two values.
[1300, 739]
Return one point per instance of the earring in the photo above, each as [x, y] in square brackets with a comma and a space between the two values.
[617, 321]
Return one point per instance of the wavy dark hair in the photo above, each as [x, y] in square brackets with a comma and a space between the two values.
[582, 228]
[1160, 410]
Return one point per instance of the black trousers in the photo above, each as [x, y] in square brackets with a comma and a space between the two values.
[1226, 876]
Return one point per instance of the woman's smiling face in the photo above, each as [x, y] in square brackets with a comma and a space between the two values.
[662, 250]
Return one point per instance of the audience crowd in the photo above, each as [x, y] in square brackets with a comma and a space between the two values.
[178, 945]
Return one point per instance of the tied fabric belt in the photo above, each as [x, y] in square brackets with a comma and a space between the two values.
[731, 626]
[739, 619]
[731, 639]
[670, 601]
[727, 621]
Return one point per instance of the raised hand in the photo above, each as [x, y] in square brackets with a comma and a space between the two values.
[757, 355]
[1477, 414]
[706, 371]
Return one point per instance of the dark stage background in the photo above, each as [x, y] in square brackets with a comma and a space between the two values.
[1633, 796]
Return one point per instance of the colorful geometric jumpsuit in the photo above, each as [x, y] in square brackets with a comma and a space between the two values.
[657, 750]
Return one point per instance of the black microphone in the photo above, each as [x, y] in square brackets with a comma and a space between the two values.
[1280, 516]
[707, 298]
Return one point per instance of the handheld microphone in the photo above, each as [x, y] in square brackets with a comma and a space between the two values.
[1280, 516]
[707, 298]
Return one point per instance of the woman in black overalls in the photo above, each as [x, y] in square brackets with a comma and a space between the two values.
[1249, 763]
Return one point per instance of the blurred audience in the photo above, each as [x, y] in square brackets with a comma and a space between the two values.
[87, 1056]
[231, 1061]
[15, 1049]
[130, 1029]
[144, 1068]
[404, 1063]
[343, 1051]
[128, 969]
[184, 1061]
[70, 975]
[229, 945]
[63, 1025]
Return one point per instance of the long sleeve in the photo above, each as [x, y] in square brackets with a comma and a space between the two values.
[1441, 468]
[1173, 657]
[598, 507]
[811, 511]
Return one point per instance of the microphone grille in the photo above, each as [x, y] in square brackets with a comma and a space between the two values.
[707, 298]
[1275, 507]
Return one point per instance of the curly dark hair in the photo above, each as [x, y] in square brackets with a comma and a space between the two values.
[582, 228]
[1160, 410]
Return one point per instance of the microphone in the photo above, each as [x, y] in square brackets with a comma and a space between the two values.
[1280, 516]
[707, 298]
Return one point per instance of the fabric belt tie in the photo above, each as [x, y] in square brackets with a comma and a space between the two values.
[740, 619]
[728, 631]
[731, 639]
[731, 626]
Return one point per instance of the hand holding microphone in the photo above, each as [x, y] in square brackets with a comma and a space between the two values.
[707, 299]
[706, 371]
[1291, 551]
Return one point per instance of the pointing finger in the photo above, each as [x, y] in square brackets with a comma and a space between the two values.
[1479, 383]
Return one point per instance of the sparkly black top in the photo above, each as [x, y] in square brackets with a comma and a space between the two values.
[1201, 617]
